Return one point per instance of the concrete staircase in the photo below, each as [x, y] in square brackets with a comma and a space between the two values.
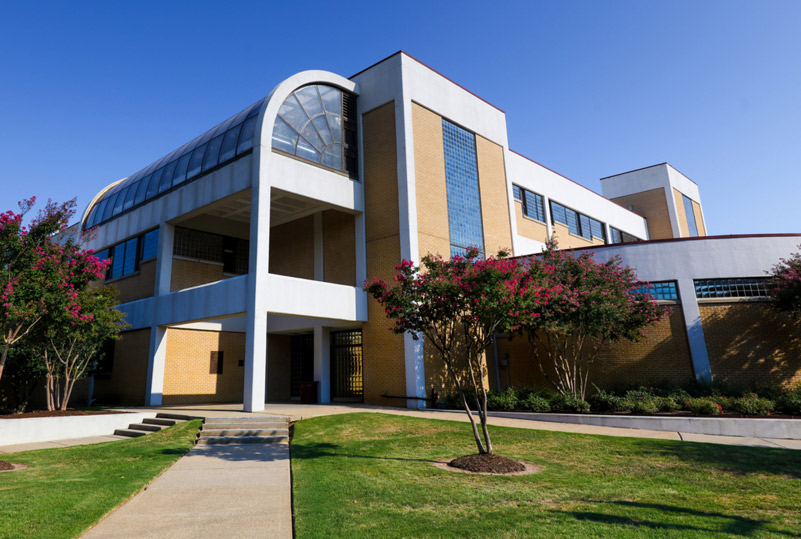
[244, 430]
[153, 424]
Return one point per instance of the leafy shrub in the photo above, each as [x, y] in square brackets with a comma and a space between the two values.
[704, 406]
[503, 400]
[666, 404]
[642, 405]
[789, 403]
[604, 401]
[570, 403]
[729, 404]
[536, 403]
[679, 396]
[753, 404]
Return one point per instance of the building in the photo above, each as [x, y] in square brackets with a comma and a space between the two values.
[239, 256]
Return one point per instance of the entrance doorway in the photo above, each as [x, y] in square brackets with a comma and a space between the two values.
[347, 381]
[301, 362]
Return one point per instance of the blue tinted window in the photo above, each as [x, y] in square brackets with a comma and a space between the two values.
[597, 229]
[748, 287]
[246, 136]
[534, 205]
[585, 227]
[228, 149]
[118, 203]
[141, 191]
[690, 215]
[129, 265]
[129, 198]
[212, 153]
[558, 214]
[461, 179]
[180, 170]
[166, 177]
[660, 290]
[518, 193]
[118, 260]
[196, 162]
[150, 244]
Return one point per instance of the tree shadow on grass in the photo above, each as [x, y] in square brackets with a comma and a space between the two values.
[320, 450]
[737, 460]
[730, 525]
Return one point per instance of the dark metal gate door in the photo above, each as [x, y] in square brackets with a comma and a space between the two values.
[346, 366]
[301, 362]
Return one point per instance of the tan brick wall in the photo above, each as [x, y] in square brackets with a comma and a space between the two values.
[494, 197]
[750, 345]
[433, 234]
[383, 352]
[339, 248]
[189, 273]
[653, 206]
[567, 240]
[137, 286]
[128, 382]
[699, 218]
[186, 370]
[292, 248]
[662, 356]
[682, 215]
[530, 228]
[279, 364]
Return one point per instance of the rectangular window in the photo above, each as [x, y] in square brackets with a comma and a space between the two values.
[216, 363]
[518, 193]
[461, 182]
[661, 290]
[746, 287]
[131, 263]
[198, 245]
[534, 206]
[572, 221]
[586, 229]
[618, 236]
[117, 260]
[690, 216]
[597, 229]
[150, 244]
[558, 213]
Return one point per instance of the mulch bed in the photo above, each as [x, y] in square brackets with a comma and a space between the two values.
[482, 463]
[5, 466]
[60, 413]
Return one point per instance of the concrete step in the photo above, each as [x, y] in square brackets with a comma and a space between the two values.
[180, 417]
[143, 426]
[248, 419]
[129, 433]
[215, 440]
[212, 433]
[162, 422]
[241, 426]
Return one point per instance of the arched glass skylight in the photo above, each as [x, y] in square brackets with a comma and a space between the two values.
[310, 126]
[216, 147]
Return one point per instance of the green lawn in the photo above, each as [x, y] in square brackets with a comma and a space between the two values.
[65, 491]
[368, 475]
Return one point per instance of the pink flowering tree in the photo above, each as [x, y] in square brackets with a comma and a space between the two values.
[26, 278]
[591, 305]
[459, 305]
[785, 284]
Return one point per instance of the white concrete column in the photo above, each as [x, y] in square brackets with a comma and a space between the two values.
[164, 259]
[322, 363]
[155, 365]
[319, 253]
[258, 275]
[695, 331]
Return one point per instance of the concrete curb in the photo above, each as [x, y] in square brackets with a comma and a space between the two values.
[787, 429]
[43, 429]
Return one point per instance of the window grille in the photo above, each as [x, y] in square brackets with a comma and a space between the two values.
[198, 245]
[461, 182]
[747, 287]
[661, 290]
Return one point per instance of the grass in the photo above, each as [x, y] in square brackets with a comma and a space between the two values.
[65, 491]
[369, 475]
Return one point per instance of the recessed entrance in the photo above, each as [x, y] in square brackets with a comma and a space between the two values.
[347, 381]
[301, 362]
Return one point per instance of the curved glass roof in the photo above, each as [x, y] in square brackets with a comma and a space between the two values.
[216, 147]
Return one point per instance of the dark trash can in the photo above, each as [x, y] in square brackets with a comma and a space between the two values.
[308, 392]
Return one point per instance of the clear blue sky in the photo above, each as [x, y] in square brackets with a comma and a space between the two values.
[93, 92]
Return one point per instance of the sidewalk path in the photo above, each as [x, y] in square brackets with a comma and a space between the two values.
[228, 491]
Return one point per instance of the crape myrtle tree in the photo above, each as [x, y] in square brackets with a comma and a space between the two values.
[591, 305]
[785, 284]
[459, 305]
[27, 286]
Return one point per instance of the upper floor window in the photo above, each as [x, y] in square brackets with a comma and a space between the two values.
[660, 290]
[690, 216]
[577, 223]
[462, 190]
[618, 236]
[533, 205]
[126, 256]
[746, 287]
[317, 123]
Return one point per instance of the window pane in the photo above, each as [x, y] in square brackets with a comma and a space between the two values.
[150, 244]
[558, 213]
[196, 162]
[293, 113]
[246, 136]
[534, 206]
[332, 99]
[461, 184]
[109, 206]
[120, 200]
[212, 153]
[518, 193]
[690, 215]
[307, 151]
[228, 149]
[130, 256]
[284, 137]
[180, 170]
[335, 124]
[118, 260]
[322, 128]
[584, 223]
[309, 132]
[141, 192]
[165, 182]
[332, 157]
[310, 100]
[129, 198]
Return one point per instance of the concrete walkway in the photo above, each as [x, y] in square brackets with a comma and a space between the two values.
[230, 491]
